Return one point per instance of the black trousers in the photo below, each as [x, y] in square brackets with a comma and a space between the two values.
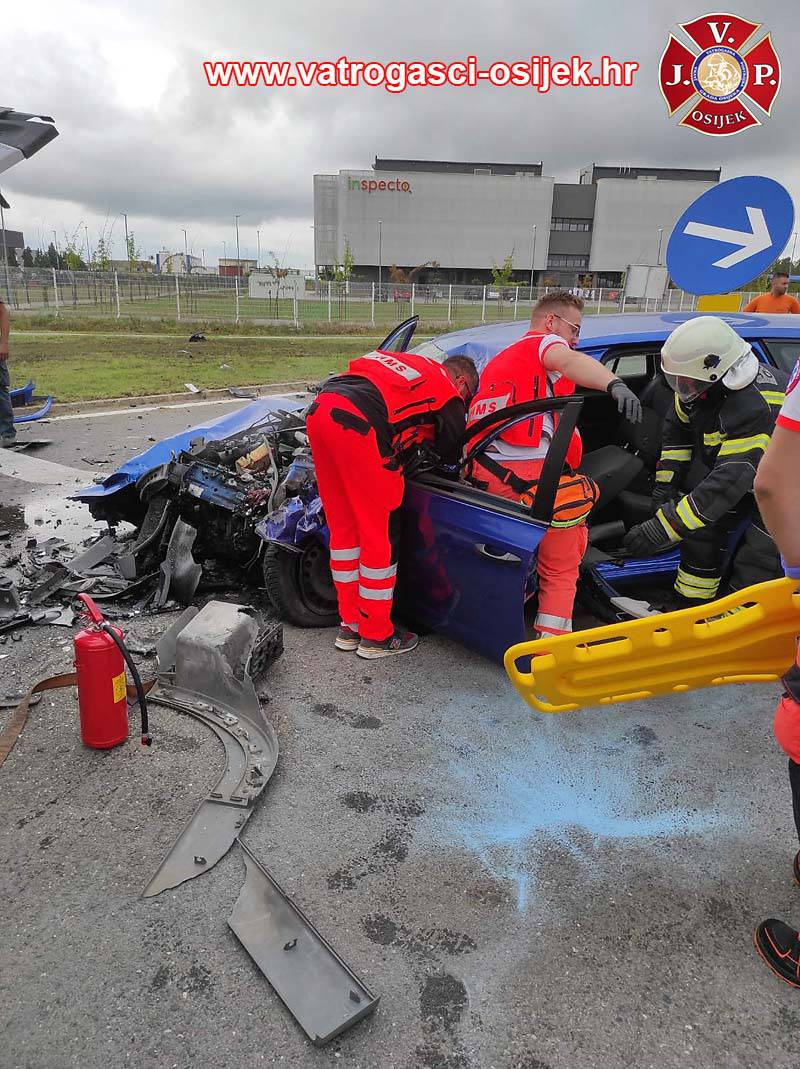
[794, 779]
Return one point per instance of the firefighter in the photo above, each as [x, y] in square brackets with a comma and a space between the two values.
[721, 422]
[544, 363]
[778, 495]
[366, 428]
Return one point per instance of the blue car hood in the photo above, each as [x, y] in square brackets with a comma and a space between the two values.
[214, 431]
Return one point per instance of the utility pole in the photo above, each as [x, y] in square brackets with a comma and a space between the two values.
[186, 266]
[533, 257]
[794, 246]
[88, 252]
[127, 246]
[5, 253]
[660, 236]
[380, 256]
[258, 238]
[238, 257]
[55, 246]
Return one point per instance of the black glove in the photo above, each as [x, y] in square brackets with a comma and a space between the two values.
[628, 403]
[647, 538]
[662, 493]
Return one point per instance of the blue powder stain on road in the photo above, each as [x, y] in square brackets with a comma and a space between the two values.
[535, 783]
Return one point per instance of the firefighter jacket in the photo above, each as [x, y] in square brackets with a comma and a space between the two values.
[728, 432]
[408, 400]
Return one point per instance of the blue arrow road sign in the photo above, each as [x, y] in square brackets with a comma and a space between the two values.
[730, 234]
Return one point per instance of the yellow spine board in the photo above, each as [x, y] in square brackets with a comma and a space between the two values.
[746, 637]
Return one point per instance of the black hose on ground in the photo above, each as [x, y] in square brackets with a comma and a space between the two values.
[137, 681]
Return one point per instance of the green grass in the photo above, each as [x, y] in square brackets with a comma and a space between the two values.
[85, 368]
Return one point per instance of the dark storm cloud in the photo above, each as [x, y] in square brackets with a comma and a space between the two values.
[198, 151]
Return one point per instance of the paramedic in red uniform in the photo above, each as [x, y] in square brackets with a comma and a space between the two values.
[777, 489]
[365, 427]
[544, 363]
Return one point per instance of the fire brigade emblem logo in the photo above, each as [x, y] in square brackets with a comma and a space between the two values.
[726, 76]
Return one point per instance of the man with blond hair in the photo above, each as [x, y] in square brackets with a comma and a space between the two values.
[545, 363]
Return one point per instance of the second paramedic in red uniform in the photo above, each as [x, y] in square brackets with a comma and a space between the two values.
[544, 363]
[364, 429]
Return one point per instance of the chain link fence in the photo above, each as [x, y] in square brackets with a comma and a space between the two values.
[201, 298]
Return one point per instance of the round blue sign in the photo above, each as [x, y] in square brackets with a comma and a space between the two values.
[730, 235]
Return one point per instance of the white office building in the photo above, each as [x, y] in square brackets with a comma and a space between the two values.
[463, 218]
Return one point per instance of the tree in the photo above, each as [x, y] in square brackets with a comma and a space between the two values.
[52, 256]
[501, 276]
[102, 254]
[134, 252]
[397, 274]
[27, 257]
[39, 259]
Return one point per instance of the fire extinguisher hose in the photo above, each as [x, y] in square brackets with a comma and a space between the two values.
[137, 681]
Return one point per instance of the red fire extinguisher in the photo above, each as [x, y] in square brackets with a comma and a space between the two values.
[100, 659]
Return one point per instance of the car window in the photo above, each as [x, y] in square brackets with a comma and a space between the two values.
[630, 365]
[785, 352]
[430, 351]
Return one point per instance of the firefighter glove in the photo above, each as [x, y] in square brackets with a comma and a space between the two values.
[628, 403]
[648, 538]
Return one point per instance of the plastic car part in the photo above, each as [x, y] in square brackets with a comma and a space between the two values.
[40, 413]
[320, 991]
[214, 655]
[9, 598]
[746, 637]
[179, 572]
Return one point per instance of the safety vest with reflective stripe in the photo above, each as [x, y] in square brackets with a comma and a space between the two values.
[518, 374]
[410, 385]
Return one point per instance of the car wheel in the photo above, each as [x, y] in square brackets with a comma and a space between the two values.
[300, 585]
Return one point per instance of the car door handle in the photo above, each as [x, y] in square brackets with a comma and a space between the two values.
[496, 554]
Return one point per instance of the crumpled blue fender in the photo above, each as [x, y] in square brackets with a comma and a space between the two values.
[214, 431]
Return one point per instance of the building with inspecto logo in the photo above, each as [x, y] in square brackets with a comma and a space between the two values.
[466, 217]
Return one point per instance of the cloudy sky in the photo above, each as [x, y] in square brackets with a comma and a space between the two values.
[142, 132]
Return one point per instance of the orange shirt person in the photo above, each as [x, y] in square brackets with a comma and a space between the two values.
[778, 301]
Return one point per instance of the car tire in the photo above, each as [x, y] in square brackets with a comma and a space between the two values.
[299, 585]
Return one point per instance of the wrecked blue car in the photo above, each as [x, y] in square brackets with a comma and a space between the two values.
[245, 483]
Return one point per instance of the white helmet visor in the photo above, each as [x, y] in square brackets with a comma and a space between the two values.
[687, 389]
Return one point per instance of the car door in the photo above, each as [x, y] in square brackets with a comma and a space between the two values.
[466, 556]
[400, 338]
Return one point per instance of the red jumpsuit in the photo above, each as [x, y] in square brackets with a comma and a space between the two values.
[360, 427]
[512, 464]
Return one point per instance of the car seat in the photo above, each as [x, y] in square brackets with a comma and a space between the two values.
[645, 440]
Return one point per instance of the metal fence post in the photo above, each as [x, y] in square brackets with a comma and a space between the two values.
[450, 303]
[599, 299]
[178, 297]
[483, 306]
[413, 295]
[329, 302]
[116, 292]
[55, 288]
[516, 301]
[296, 311]
[372, 305]
[680, 306]
[236, 280]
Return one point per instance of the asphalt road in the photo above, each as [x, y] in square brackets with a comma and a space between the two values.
[522, 891]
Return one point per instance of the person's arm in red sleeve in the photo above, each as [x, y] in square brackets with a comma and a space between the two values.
[795, 307]
[751, 306]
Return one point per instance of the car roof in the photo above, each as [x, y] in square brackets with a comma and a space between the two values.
[600, 332]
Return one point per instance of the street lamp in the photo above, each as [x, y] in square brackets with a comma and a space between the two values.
[533, 257]
[127, 246]
[185, 251]
[238, 258]
[794, 246]
[258, 239]
[380, 256]
[660, 236]
[88, 252]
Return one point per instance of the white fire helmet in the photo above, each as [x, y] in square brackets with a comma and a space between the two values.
[704, 351]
